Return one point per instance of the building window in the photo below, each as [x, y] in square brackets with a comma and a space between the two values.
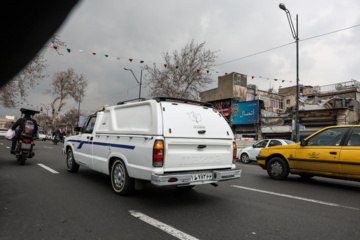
[237, 80]
[288, 101]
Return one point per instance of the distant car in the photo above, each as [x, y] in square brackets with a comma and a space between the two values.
[41, 135]
[249, 154]
[3, 132]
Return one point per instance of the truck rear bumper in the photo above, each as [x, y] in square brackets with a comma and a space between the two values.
[195, 178]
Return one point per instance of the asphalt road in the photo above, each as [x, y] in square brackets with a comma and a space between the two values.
[46, 202]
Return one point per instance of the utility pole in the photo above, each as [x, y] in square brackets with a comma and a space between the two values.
[136, 80]
[295, 33]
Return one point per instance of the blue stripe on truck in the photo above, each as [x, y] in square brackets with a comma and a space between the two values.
[101, 144]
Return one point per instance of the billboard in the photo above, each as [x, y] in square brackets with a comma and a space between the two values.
[223, 106]
[245, 112]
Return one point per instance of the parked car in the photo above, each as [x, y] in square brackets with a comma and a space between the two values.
[3, 132]
[331, 152]
[249, 154]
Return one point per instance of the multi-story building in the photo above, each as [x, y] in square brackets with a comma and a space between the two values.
[258, 114]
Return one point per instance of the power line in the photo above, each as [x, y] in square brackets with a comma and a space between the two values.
[358, 25]
[255, 54]
[305, 39]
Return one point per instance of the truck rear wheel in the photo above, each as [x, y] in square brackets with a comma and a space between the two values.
[121, 182]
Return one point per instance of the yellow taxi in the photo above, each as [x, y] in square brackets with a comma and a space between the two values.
[331, 152]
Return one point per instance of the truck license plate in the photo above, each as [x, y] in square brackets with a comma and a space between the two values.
[201, 176]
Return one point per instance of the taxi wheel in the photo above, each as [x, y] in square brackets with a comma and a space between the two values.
[277, 168]
[121, 182]
[245, 158]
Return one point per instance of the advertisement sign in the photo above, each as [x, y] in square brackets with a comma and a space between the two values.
[245, 112]
[223, 106]
[225, 111]
[82, 120]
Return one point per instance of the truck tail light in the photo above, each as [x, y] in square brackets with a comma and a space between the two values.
[158, 153]
[235, 152]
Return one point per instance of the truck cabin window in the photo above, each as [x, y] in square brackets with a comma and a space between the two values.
[90, 125]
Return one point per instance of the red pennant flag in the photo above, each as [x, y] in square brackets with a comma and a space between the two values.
[55, 47]
[130, 60]
[275, 79]
[252, 77]
[94, 53]
[198, 70]
[165, 65]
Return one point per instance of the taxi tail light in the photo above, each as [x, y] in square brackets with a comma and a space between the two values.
[158, 153]
[235, 152]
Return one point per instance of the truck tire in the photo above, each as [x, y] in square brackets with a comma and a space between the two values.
[121, 182]
[277, 168]
[72, 166]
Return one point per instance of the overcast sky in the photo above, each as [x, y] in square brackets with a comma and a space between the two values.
[143, 30]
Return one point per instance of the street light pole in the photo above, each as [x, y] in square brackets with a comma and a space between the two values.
[47, 116]
[295, 33]
[136, 80]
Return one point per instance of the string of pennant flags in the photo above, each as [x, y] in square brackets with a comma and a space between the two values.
[69, 50]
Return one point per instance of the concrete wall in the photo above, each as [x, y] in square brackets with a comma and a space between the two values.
[226, 89]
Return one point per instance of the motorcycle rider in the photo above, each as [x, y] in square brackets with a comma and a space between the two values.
[56, 133]
[20, 124]
[63, 135]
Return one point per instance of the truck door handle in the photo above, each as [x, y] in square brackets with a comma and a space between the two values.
[202, 146]
[91, 138]
[201, 131]
[333, 153]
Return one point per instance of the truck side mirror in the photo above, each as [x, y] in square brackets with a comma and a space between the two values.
[77, 129]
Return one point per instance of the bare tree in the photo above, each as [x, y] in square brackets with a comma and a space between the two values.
[27, 79]
[186, 73]
[42, 120]
[69, 119]
[66, 84]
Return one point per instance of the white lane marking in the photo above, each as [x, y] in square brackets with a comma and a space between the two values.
[295, 197]
[47, 168]
[166, 228]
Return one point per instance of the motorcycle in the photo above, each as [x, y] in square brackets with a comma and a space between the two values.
[56, 139]
[24, 149]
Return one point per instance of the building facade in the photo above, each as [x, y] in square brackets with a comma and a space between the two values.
[253, 113]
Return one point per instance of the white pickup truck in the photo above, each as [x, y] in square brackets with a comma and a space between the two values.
[164, 141]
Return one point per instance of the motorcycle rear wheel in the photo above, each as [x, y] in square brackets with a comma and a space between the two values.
[22, 160]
